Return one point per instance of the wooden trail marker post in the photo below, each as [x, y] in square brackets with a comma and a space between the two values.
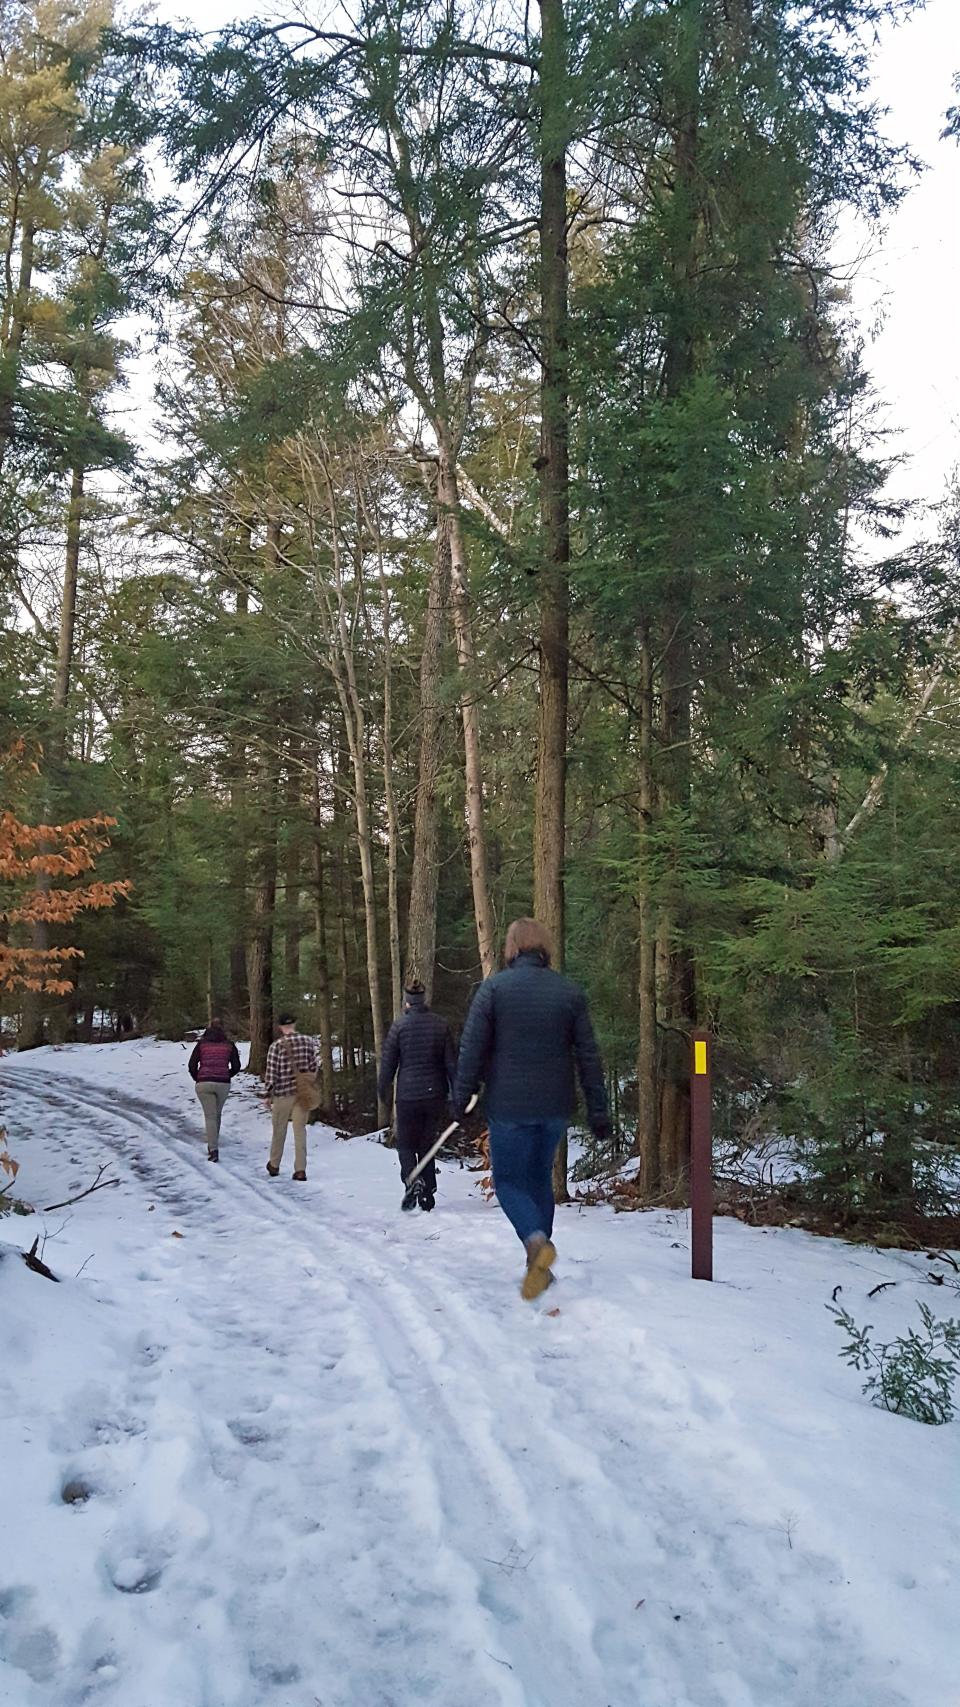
[701, 1157]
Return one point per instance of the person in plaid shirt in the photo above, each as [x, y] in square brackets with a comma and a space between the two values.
[289, 1055]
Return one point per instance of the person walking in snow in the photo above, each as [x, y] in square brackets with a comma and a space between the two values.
[291, 1062]
[213, 1063]
[528, 1027]
[419, 1053]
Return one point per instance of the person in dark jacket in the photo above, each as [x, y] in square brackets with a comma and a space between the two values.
[528, 1027]
[419, 1052]
[212, 1065]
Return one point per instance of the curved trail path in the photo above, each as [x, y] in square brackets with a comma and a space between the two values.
[336, 1463]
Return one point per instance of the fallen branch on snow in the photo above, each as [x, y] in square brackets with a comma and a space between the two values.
[33, 1262]
[97, 1185]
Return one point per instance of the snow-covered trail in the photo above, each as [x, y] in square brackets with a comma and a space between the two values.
[336, 1461]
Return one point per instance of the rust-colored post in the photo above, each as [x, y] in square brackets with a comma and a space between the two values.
[701, 1157]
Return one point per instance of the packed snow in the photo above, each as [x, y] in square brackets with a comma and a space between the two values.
[276, 1445]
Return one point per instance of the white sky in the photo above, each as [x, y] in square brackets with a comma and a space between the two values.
[906, 290]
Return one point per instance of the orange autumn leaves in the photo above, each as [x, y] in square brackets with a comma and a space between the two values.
[39, 864]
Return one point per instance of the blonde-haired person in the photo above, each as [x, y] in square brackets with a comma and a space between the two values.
[527, 1032]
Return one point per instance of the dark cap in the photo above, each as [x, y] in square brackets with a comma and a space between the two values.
[287, 1019]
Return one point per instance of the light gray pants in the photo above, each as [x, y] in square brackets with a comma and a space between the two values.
[212, 1096]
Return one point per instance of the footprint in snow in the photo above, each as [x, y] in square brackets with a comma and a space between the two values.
[134, 1575]
[26, 1644]
[148, 1350]
[93, 1417]
[109, 1431]
[76, 1489]
[251, 1432]
[275, 1673]
[135, 1563]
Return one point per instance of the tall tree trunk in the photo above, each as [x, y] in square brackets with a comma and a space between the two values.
[470, 713]
[422, 915]
[825, 824]
[677, 986]
[262, 914]
[348, 1060]
[353, 716]
[321, 966]
[239, 994]
[549, 832]
[389, 790]
[361, 1008]
[264, 885]
[449, 433]
[31, 1034]
[676, 981]
[344, 962]
[68, 618]
[648, 1110]
[365, 849]
[292, 873]
[338, 624]
[14, 332]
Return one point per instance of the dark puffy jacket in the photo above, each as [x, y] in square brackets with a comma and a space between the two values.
[525, 1029]
[420, 1051]
[214, 1058]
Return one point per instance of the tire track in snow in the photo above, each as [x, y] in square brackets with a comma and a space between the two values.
[569, 1478]
[562, 1639]
[710, 1505]
[498, 1685]
[411, 1342]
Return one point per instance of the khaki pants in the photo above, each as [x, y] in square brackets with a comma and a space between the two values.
[212, 1096]
[283, 1110]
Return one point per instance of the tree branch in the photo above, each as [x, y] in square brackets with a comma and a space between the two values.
[97, 1185]
[874, 794]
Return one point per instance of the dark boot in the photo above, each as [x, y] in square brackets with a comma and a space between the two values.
[213, 1155]
[272, 1171]
[300, 1175]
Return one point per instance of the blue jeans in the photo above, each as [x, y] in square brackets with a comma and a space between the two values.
[522, 1152]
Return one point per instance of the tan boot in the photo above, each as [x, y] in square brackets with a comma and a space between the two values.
[541, 1256]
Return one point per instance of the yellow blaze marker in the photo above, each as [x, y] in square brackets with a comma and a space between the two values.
[700, 1056]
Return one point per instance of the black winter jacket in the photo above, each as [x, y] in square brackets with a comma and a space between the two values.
[526, 1027]
[420, 1051]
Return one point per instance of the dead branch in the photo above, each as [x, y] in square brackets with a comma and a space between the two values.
[97, 1185]
[874, 794]
[33, 1262]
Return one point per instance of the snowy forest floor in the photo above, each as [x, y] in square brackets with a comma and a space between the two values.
[330, 1459]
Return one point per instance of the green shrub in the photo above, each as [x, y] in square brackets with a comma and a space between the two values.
[913, 1375]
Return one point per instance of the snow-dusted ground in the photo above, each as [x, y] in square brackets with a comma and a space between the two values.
[334, 1461]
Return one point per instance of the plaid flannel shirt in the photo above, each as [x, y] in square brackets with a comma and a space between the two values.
[285, 1058]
